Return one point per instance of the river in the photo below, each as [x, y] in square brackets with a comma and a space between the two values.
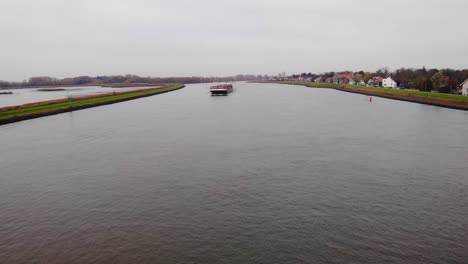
[269, 174]
[31, 95]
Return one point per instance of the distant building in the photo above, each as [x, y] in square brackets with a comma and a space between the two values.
[375, 81]
[319, 79]
[343, 77]
[464, 86]
[389, 83]
[322, 79]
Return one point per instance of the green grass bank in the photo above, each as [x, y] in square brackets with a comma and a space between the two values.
[34, 110]
[438, 99]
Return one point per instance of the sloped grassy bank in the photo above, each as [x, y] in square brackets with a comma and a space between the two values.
[33, 110]
[438, 99]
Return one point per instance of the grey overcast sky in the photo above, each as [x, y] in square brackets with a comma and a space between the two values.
[64, 38]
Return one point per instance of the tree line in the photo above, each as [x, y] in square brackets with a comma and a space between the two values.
[120, 79]
[439, 80]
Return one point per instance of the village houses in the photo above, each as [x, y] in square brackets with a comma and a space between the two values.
[389, 83]
[343, 77]
[464, 87]
[375, 81]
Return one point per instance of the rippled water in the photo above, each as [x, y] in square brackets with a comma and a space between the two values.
[268, 174]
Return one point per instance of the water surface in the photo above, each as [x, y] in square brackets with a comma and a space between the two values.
[268, 174]
[31, 95]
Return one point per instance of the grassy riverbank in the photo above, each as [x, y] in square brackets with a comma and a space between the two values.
[385, 90]
[437, 99]
[33, 110]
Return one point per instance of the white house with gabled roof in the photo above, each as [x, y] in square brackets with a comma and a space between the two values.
[464, 87]
[389, 83]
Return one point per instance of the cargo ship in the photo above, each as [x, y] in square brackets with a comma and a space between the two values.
[221, 89]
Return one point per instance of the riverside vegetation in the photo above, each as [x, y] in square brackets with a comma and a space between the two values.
[27, 111]
[431, 98]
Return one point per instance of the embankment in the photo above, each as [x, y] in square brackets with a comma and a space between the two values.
[17, 113]
[437, 99]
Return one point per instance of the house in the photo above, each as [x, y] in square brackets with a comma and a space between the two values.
[389, 83]
[343, 77]
[320, 79]
[464, 86]
[375, 81]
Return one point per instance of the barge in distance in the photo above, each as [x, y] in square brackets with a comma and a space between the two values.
[221, 89]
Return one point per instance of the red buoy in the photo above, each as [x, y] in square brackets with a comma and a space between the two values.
[370, 99]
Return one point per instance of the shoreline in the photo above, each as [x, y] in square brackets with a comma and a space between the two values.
[401, 95]
[11, 114]
[104, 85]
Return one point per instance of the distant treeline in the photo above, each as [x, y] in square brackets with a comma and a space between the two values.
[120, 79]
[440, 80]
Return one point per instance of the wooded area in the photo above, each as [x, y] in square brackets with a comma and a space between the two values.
[119, 79]
[443, 80]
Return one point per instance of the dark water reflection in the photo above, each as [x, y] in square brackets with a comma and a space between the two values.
[269, 174]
